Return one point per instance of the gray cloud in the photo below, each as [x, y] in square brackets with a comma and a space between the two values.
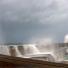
[29, 20]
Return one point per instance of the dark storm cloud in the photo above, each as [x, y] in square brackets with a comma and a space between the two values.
[29, 20]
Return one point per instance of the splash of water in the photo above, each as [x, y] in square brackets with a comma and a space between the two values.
[31, 49]
[66, 39]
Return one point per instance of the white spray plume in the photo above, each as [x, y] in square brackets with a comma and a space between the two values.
[66, 39]
[45, 41]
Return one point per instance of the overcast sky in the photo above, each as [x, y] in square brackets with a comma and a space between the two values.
[33, 20]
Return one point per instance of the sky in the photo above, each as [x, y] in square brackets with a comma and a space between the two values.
[29, 21]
